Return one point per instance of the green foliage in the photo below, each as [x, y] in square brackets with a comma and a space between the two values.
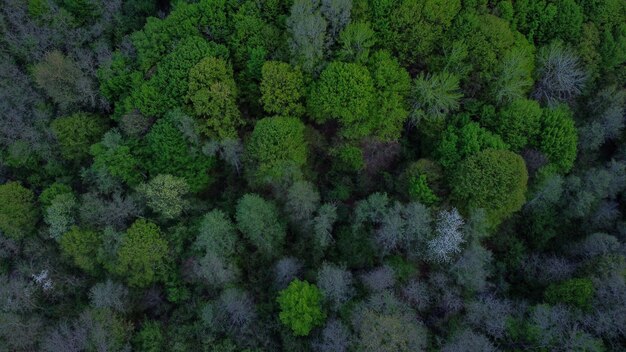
[356, 40]
[575, 292]
[349, 158]
[18, 213]
[559, 138]
[457, 144]
[82, 247]
[59, 215]
[543, 21]
[76, 133]
[168, 152]
[494, 180]
[434, 96]
[276, 144]
[37, 8]
[116, 158]
[282, 89]
[258, 220]
[392, 84]
[419, 190]
[142, 254]
[212, 94]
[517, 123]
[164, 194]
[344, 92]
[167, 88]
[301, 307]
[150, 338]
[47, 195]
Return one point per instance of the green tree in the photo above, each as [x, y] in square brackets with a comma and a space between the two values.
[458, 143]
[517, 123]
[165, 195]
[344, 92]
[559, 138]
[142, 253]
[576, 292]
[434, 96]
[392, 83]
[494, 180]
[76, 133]
[168, 152]
[212, 94]
[276, 144]
[112, 155]
[18, 213]
[258, 220]
[356, 40]
[282, 89]
[301, 307]
[82, 247]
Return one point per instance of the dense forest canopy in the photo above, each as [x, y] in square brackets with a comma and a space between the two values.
[313, 175]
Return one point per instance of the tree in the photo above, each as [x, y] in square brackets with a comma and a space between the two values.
[335, 284]
[344, 92]
[63, 81]
[277, 144]
[559, 137]
[355, 40]
[392, 83]
[142, 254]
[302, 202]
[18, 214]
[559, 75]
[282, 89]
[434, 96]
[60, 215]
[81, 246]
[301, 307]
[212, 94]
[307, 30]
[164, 194]
[448, 236]
[258, 220]
[491, 179]
[335, 338]
[513, 78]
[384, 325]
[468, 341]
[109, 294]
[286, 270]
[168, 152]
[217, 233]
[337, 14]
[458, 143]
[517, 123]
[577, 292]
[76, 133]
